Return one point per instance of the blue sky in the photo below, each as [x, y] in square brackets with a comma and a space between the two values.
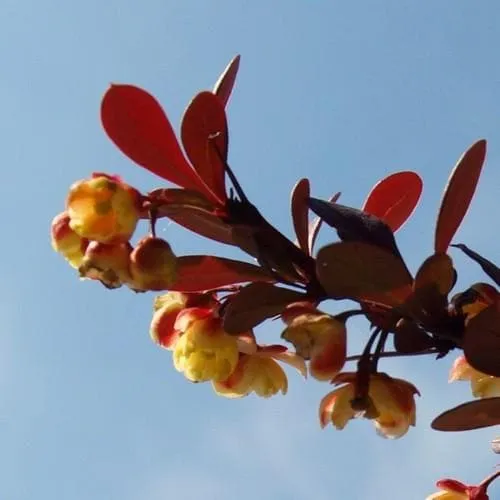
[343, 92]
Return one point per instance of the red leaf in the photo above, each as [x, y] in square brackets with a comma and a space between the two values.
[191, 210]
[458, 194]
[198, 273]
[394, 198]
[300, 213]
[205, 139]
[136, 123]
[315, 225]
[224, 85]
[200, 222]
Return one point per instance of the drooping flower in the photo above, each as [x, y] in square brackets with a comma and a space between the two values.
[103, 208]
[259, 372]
[451, 489]
[391, 404]
[153, 264]
[482, 385]
[204, 351]
[319, 337]
[110, 264]
[66, 242]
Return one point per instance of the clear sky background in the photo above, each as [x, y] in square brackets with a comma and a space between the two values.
[343, 92]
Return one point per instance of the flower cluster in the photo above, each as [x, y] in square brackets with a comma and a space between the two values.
[189, 325]
[213, 305]
[93, 234]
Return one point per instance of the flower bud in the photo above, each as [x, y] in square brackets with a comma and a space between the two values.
[153, 265]
[103, 209]
[108, 264]
[66, 242]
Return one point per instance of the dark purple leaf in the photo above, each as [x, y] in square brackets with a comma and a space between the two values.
[488, 267]
[481, 342]
[355, 225]
[467, 416]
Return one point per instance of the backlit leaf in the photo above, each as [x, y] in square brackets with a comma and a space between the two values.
[199, 221]
[255, 303]
[458, 195]
[356, 270]
[224, 85]
[179, 197]
[488, 267]
[300, 212]
[436, 270]
[481, 342]
[205, 272]
[467, 416]
[205, 140]
[136, 123]
[394, 198]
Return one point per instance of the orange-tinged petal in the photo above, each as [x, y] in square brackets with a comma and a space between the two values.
[482, 385]
[66, 242]
[394, 402]
[238, 384]
[461, 370]
[254, 373]
[328, 357]
[103, 209]
[336, 407]
[247, 343]
[168, 307]
[319, 337]
[485, 386]
[270, 377]
[293, 360]
[170, 299]
[109, 264]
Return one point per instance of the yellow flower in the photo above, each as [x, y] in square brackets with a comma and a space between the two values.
[448, 495]
[166, 309]
[66, 242]
[204, 350]
[451, 489]
[482, 385]
[391, 404]
[259, 372]
[109, 264]
[103, 209]
[153, 265]
[318, 337]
